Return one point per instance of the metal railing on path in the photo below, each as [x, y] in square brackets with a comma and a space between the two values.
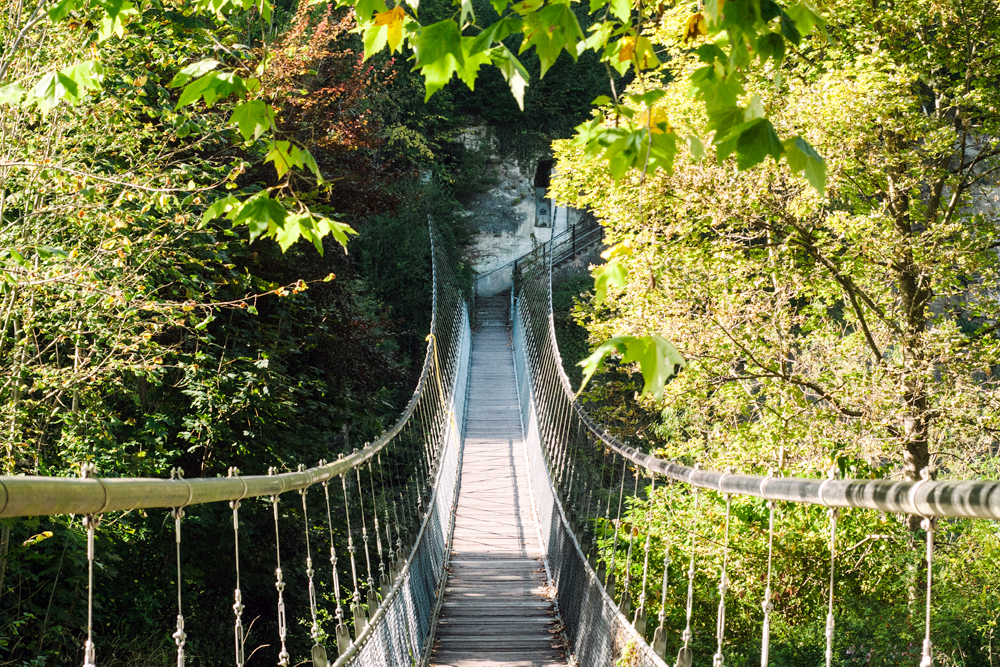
[398, 513]
[567, 244]
[570, 453]
[387, 581]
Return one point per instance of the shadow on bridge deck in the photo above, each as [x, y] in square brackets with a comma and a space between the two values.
[497, 611]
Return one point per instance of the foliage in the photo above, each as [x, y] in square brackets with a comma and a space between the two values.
[142, 329]
[749, 30]
[856, 328]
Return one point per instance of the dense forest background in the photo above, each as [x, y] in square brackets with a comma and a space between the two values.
[851, 330]
[138, 335]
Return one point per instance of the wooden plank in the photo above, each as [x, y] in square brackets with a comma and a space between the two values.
[495, 612]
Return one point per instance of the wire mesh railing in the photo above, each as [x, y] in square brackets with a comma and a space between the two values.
[585, 482]
[580, 237]
[394, 496]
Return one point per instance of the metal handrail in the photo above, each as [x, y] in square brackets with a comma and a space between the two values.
[593, 230]
[965, 499]
[33, 495]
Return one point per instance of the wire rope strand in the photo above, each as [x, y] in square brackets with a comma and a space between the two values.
[180, 637]
[659, 644]
[383, 578]
[626, 600]
[765, 644]
[685, 655]
[402, 499]
[357, 611]
[90, 522]
[341, 633]
[283, 657]
[239, 634]
[372, 597]
[720, 626]
[610, 584]
[927, 524]
[607, 514]
[388, 572]
[314, 628]
[639, 622]
[833, 513]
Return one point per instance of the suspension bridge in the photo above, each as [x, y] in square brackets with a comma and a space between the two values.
[485, 528]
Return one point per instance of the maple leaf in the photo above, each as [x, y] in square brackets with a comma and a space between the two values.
[628, 49]
[394, 20]
[656, 119]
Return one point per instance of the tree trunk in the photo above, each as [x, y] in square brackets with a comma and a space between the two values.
[915, 295]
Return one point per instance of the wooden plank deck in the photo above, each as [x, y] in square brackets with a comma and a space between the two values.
[495, 612]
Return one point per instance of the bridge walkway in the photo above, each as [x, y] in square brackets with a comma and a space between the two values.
[497, 611]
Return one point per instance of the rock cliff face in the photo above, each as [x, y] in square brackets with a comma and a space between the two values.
[512, 217]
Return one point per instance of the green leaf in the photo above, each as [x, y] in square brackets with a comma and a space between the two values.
[790, 30]
[717, 92]
[466, 12]
[722, 122]
[804, 160]
[600, 34]
[339, 230]
[279, 153]
[805, 19]
[649, 98]
[291, 230]
[261, 214]
[48, 252]
[193, 71]
[265, 7]
[620, 9]
[12, 93]
[253, 118]
[111, 23]
[365, 9]
[375, 39]
[756, 141]
[313, 228]
[495, 32]
[657, 357]
[63, 8]
[696, 148]
[438, 52]
[606, 275]
[218, 208]
[771, 46]
[755, 109]
[215, 86]
[18, 257]
[69, 84]
[205, 322]
[513, 71]
[662, 150]
[307, 160]
[550, 30]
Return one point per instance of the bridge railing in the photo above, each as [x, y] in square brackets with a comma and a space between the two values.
[567, 244]
[581, 475]
[395, 496]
